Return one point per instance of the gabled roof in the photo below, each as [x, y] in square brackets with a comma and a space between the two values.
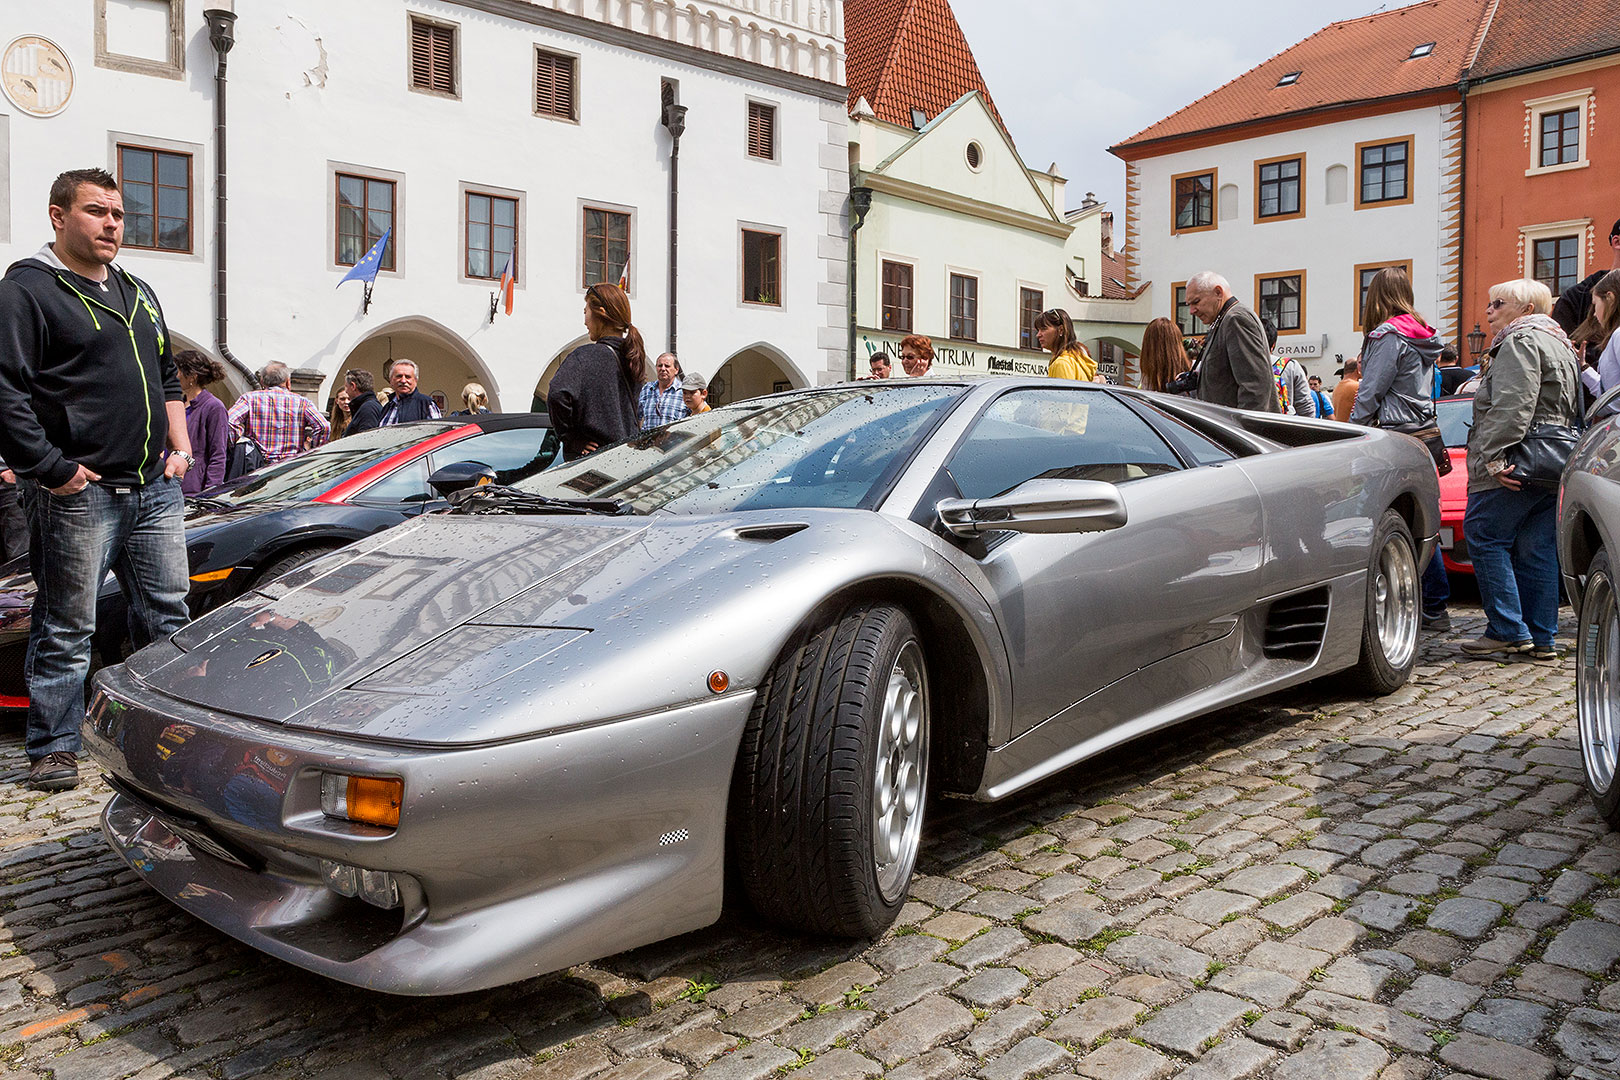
[1358, 60]
[1529, 33]
[908, 54]
[1113, 278]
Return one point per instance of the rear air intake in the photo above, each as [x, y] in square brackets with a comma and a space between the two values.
[1296, 624]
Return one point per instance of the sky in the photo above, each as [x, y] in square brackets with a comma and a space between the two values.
[1073, 77]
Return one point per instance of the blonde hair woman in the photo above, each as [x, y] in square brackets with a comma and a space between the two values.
[476, 400]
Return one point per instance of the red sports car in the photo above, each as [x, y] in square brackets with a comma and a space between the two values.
[1456, 416]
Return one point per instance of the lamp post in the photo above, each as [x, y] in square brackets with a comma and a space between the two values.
[1476, 342]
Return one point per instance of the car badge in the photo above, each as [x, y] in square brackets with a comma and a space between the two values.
[263, 658]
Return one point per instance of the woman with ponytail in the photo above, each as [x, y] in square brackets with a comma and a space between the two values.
[592, 400]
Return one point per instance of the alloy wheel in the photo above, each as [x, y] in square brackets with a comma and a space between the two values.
[901, 773]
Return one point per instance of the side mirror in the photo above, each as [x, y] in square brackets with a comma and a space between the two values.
[460, 474]
[1038, 506]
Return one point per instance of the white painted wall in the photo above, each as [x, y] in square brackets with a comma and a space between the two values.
[312, 85]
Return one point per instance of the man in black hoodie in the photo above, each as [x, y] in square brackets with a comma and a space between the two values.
[364, 409]
[88, 397]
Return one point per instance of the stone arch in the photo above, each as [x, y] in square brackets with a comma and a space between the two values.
[238, 379]
[444, 360]
[754, 371]
[539, 390]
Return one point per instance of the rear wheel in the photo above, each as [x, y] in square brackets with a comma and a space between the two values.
[1597, 680]
[828, 795]
[1394, 610]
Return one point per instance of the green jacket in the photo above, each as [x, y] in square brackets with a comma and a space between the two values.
[1528, 379]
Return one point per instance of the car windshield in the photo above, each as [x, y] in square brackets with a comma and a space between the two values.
[308, 475]
[827, 448]
[1456, 416]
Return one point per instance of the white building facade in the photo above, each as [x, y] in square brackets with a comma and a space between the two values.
[464, 126]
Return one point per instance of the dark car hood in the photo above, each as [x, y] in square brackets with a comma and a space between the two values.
[335, 621]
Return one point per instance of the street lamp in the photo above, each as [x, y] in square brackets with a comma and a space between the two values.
[1476, 341]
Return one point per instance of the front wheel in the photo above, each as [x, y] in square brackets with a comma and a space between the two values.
[827, 799]
[1597, 680]
[1394, 606]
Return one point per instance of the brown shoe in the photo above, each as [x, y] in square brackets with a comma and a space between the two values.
[57, 771]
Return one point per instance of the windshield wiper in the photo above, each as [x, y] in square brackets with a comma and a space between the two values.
[501, 499]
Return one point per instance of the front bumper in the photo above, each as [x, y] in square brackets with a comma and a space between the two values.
[513, 859]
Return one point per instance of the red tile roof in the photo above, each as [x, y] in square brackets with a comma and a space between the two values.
[1356, 60]
[1113, 282]
[908, 54]
[1528, 33]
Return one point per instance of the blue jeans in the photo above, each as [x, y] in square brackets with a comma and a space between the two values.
[1436, 586]
[1515, 551]
[73, 540]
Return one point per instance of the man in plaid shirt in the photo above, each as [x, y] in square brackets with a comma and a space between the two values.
[277, 419]
[661, 401]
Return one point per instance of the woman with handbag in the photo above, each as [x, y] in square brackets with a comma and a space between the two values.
[1525, 401]
[1398, 361]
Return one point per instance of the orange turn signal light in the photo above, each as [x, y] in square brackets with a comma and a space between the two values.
[375, 801]
[212, 575]
[719, 681]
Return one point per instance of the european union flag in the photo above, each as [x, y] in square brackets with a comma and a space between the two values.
[366, 269]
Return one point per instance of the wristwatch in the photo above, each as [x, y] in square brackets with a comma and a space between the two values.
[190, 461]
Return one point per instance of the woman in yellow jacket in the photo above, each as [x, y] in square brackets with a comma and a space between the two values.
[1054, 331]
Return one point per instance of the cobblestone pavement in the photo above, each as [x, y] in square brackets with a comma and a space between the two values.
[1302, 887]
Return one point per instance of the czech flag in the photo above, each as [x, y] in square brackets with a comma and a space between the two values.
[509, 277]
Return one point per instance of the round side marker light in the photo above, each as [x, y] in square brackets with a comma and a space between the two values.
[719, 681]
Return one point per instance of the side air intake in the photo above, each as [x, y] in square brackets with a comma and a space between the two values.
[1295, 626]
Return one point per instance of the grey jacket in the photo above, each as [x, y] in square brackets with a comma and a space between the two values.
[1236, 364]
[1397, 375]
[1300, 400]
[1528, 379]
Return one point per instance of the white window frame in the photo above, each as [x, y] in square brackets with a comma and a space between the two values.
[1529, 234]
[172, 67]
[1536, 108]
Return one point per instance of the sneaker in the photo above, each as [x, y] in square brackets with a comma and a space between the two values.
[54, 772]
[1542, 652]
[1486, 646]
[1441, 621]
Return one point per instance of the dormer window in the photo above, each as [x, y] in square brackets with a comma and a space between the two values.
[919, 119]
[1422, 50]
[1289, 79]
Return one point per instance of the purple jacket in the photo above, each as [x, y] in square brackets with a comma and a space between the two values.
[209, 426]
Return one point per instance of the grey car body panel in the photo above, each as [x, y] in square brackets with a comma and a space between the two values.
[541, 684]
[1589, 494]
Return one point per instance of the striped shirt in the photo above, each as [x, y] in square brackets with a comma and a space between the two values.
[279, 421]
[660, 407]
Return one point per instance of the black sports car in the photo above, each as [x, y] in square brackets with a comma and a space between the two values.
[266, 523]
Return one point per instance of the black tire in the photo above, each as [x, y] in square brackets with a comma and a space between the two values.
[805, 835]
[1597, 681]
[286, 564]
[1394, 610]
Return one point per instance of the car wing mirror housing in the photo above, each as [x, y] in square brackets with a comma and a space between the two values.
[460, 474]
[1038, 506]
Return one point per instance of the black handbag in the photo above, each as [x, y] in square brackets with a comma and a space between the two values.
[1538, 461]
[1427, 433]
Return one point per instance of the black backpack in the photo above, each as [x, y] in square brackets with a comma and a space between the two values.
[245, 456]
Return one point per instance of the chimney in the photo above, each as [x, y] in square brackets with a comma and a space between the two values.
[1108, 232]
[1089, 201]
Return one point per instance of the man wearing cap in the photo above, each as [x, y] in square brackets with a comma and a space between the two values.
[1344, 391]
[695, 392]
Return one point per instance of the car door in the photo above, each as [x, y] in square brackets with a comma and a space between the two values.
[1081, 612]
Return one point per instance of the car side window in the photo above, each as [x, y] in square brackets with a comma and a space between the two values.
[1057, 434]
[1195, 447]
[513, 453]
[408, 483]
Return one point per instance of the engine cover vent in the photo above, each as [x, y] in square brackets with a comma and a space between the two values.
[1295, 626]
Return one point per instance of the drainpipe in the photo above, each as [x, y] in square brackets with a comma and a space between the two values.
[674, 120]
[860, 201]
[1462, 214]
[221, 34]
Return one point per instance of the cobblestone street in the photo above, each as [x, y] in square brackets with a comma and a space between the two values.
[1303, 887]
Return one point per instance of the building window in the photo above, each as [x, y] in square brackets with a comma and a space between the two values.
[1194, 197]
[365, 210]
[144, 37]
[1282, 300]
[1557, 262]
[897, 296]
[555, 85]
[1384, 173]
[157, 198]
[1560, 137]
[492, 223]
[1365, 272]
[1279, 189]
[1186, 321]
[964, 307]
[762, 267]
[1031, 302]
[762, 130]
[607, 247]
[433, 57]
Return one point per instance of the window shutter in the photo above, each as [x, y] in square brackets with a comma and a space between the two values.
[761, 130]
[433, 57]
[554, 85]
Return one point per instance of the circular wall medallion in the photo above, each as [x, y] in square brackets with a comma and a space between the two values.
[36, 75]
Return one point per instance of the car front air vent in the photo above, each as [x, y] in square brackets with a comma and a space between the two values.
[769, 534]
[1296, 624]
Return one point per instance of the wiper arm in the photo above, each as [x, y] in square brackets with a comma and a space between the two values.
[501, 499]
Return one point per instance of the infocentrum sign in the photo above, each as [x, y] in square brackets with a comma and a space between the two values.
[951, 357]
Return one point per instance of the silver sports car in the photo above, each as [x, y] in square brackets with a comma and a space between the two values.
[543, 728]
[1588, 549]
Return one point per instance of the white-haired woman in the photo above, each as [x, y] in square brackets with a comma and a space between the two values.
[1529, 378]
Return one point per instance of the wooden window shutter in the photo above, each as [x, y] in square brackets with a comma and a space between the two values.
[554, 85]
[433, 57]
[761, 130]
